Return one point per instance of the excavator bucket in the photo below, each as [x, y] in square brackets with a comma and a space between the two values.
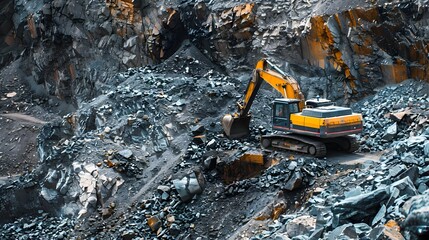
[236, 127]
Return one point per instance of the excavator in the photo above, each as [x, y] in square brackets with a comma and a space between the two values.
[305, 126]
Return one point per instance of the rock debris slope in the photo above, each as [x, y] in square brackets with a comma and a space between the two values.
[143, 156]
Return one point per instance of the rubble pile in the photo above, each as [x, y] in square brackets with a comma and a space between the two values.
[135, 133]
[43, 226]
[385, 199]
[396, 117]
[103, 153]
[120, 136]
[161, 215]
[177, 209]
[144, 155]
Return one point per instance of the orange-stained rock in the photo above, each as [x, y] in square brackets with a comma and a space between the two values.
[392, 231]
[32, 26]
[72, 71]
[419, 72]
[278, 210]
[244, 16]
[362, 49]
[10, 38]
[395, 72]
[369, 15]
[154, 223]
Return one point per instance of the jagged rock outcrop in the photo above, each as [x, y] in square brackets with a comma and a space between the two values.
[337, 50]
[72, 47]
[351, 48]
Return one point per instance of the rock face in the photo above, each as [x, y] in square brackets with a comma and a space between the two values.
[357, 47]
[71, 48]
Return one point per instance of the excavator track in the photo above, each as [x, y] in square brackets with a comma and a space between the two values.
[296, 143]
[353, 144]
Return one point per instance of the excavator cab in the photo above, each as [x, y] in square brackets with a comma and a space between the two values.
[282, 108]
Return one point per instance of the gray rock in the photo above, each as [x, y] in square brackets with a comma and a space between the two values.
[211, 144]
[164, 196]
[292, 165]
[405, 186]
[362, 229]
[163, 188]
[128, 235]
[29, 226]
[126, 153]
[410, 159]
[198, 130]
[426, 148]
[395, 170]
[303, 225]
[281, 236]
[391, 132]
[376, 233]
[422, 188]
[52, 178]
[129, 58]
[394, 194]
[353, 192]
[359, 207]
[317, 234]
[413, 141]
[174, 229]
[131, 42]
[424, 171]
[189, 186]
[294, 182]
[412, 173]
[346, 231]
[61, 235]
[324, 217]
[140, 114]
[380, 215]
[49, 195]
[210, 163]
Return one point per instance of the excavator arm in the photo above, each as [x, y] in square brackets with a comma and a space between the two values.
[237, 124]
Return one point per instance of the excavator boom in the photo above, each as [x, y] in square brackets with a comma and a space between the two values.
[237, 125]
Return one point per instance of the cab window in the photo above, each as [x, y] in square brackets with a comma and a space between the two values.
[293, 108]
[281, 110]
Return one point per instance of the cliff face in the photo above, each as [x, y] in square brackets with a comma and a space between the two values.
[72, 47]
[358, 46]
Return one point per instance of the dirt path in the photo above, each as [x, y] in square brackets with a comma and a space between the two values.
[164, 169]
[18, 145]
[23, 118]
[352, 159]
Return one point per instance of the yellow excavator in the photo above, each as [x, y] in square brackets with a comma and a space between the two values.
[306, 126]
